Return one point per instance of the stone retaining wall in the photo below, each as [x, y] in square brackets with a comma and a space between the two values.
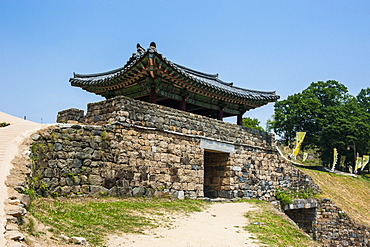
[132, 160]
[327, 223]
[116, 161]
[130, 111]
[72, 114]
[334, 228]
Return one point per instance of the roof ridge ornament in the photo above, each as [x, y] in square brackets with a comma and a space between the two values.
[153, 45]
[139, 48]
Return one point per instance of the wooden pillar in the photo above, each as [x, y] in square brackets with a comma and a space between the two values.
[239, 120]
[153, 96]
[220, 114]
[182, 104]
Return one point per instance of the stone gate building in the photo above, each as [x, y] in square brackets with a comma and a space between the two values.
[160, 133]
[151, 77]
[156, 134]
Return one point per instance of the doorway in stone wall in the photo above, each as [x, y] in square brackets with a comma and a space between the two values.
[215, 168]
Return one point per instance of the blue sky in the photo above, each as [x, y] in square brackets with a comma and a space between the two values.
[279, 46]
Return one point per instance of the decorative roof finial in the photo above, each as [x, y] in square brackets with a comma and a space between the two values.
[139, 48]
[153, 45]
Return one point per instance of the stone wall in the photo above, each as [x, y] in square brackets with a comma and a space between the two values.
[72, 114]
[334, 228]
[327, 223]
[125, 110]
[123, 160]
[193, 153]
[116, 161]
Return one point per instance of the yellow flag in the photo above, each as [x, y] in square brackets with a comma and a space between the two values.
[350, 169]
[358, 163]
[299, 139]
[335, 158]
[365, 160]
[305, 155]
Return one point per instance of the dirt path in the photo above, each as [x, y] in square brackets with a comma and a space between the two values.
[10, 139]
[219, 225]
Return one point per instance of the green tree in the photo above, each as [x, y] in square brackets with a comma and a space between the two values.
[270, 124]
[363, 99]
[330, 116]
[253, 123]
[363, 124]
[347, 125]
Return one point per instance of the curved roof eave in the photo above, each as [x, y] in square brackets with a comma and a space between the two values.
[208, 80]
[224, 87]
[96, 78]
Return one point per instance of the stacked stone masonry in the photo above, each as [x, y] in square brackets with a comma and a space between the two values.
[327, 223]
[72, 114]
[129, 161]
[125, 110]
[126, 147]
[334, 228]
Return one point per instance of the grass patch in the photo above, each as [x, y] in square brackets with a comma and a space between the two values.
[287, 196]
[4, 124]
[274, 229]
[94, 218]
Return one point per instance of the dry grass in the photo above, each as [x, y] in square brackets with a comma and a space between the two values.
[351, 194]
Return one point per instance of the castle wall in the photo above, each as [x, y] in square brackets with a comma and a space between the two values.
[120, 160]
[139, 113]
[137, 148]
[334, 227]
[72, 114]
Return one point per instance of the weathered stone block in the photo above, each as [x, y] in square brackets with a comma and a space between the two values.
[97, 190]
[65, 190]
[120, 192]
[138, 192]
[180, 195]
[85, 189]
[95, 179]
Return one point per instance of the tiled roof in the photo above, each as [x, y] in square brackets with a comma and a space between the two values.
[98, 78]
[214, 82]
[210, 81]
